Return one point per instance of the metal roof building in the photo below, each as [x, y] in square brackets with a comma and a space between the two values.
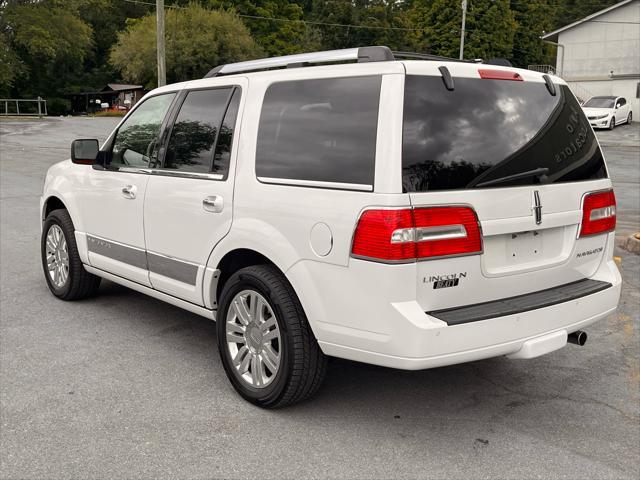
[600, 54]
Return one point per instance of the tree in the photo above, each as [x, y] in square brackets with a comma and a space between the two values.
[196, 41]
[48, 40]
[386, 19]
[533, 18]
[490, 28]
[284, 36]
[10, 66]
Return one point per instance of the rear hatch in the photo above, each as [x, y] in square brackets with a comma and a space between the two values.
[516, 149]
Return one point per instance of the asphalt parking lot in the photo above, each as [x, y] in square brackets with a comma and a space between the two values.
[123, 385]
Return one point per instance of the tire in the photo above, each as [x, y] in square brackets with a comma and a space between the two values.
[72, 282]
[300, 363]
[612, 123]
[629, 118]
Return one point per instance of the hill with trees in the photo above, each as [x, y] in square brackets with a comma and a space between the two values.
[55, 47]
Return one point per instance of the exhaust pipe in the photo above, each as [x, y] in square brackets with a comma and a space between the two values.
[577, 338]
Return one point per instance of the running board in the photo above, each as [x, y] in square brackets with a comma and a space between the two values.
[198, 310]
[520, 303]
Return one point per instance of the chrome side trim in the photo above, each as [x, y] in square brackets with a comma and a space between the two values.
[122, 253]
[177, 173]
[312, 183]
[134, 170]
[172, 173]
[170, 267]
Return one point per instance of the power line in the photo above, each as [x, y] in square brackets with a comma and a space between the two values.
[305, 22]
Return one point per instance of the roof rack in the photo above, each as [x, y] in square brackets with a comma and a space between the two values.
[361, 55]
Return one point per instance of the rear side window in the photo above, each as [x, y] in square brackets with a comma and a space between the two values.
[195, 130]
[493, 133]
[222, 153]
[321, 130]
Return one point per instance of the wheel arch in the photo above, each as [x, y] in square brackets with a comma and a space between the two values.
[234, 260]
[52, 202]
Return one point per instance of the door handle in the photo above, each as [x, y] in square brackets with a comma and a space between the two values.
[213, 203]
[129, 192]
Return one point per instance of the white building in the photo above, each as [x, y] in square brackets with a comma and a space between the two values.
[600, 54]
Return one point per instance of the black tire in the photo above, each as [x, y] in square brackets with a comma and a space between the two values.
[79, 283]
[629, 118]
[612, 123]
[302, 364]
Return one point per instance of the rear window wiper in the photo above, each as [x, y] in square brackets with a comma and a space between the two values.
[540, 173]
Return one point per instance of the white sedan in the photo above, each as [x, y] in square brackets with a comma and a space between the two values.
[607, 112]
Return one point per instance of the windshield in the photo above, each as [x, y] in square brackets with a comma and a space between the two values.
[493, 133]
[600, 102]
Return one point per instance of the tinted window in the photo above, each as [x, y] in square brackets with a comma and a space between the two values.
[622, 102]
[486, 130]
[194, 132]
[320, 130]
[135, 143]
[225, 138]
[600, 102]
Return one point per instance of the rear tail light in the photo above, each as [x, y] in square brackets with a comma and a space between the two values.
[409, 234]
[598, 213]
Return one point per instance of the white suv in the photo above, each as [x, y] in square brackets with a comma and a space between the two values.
[409, 214]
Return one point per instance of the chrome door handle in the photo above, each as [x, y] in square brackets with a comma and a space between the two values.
[213, 203]
[129, 192]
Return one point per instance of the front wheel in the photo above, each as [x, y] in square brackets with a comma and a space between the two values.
[63, 270]
[266, 345]
[612, 123]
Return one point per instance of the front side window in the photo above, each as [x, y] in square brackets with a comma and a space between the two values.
[136, 142]
[321, 130]
[494, 133]
[195, 130]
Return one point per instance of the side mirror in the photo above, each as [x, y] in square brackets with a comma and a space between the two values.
[84, 151]
[618, 105]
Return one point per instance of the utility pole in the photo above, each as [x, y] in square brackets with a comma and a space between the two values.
[464, 20]
[162, 71]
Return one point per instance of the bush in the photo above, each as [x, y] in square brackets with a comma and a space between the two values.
[58, 106]
[109, 113]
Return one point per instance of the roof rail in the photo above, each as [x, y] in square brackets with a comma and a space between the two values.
[361, 55]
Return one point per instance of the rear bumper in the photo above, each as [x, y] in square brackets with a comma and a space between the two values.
[401, 335]
[474, 341]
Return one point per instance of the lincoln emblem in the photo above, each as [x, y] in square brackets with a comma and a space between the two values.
[537, 207]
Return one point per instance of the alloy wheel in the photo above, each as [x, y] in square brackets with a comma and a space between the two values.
[253, 339]
[57, 253]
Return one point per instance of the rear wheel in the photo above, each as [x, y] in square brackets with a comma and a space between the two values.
[612, 123]
[63, 270]
[266, 345]
[629, 118]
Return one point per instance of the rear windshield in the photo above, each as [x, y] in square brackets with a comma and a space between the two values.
[493, 133]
